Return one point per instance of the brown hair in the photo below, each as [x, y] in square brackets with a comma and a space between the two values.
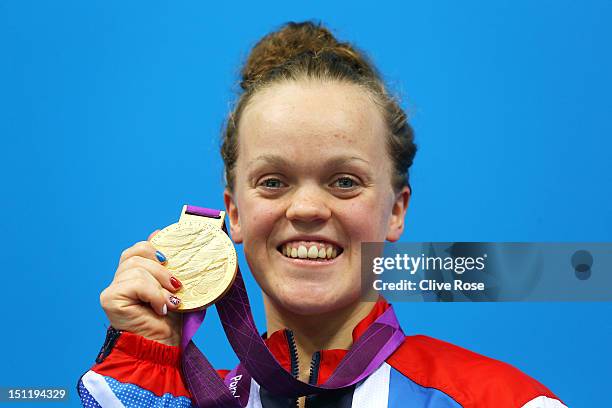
[308, 50]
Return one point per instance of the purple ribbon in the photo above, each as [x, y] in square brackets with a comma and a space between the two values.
[368, 353]
[203, 212]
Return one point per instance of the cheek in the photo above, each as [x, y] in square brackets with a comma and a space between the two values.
[366, 220]
[257, 220]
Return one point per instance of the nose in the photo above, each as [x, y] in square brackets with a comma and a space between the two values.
[308, 204]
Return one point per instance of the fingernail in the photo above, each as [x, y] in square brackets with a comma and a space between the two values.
[165, 309]
[160, 257]
[175, 282]
[174, 300]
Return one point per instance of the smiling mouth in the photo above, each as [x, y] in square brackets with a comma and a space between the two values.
[310, 250]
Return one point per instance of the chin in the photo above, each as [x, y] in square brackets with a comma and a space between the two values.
[308, 300]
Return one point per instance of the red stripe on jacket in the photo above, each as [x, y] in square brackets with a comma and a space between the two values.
[146, 363]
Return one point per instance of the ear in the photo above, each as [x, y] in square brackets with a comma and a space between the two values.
[398, 214]
[232, 213]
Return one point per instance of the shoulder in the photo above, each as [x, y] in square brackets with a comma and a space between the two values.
[471, 379]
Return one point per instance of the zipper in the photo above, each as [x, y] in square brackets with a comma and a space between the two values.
[293, 358]
[314, 368]
[314, 373]
[295, 367]
[293, 354]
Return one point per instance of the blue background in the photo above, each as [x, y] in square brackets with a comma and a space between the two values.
[110, 118]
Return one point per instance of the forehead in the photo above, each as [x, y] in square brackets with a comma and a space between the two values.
[305, 121]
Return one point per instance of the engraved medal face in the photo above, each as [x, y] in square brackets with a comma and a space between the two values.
[202, 257]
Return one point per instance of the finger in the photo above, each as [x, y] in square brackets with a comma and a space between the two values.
[147, 291]
[161, 300]
[137, 265]
[152, 235]
[173, 301]
[141, 288]
[144, 249]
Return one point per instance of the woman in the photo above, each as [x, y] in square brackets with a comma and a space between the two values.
[316, 159]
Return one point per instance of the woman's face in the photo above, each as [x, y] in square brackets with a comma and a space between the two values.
[312, 181]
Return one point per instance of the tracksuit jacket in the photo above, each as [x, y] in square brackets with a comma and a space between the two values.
[423, 372]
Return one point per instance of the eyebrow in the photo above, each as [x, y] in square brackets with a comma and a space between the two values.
[280, 161]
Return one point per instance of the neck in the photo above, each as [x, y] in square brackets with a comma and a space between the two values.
[329, 330]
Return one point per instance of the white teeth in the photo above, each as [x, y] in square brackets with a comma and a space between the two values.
[302, 252]
[317, 251]
[313, 252]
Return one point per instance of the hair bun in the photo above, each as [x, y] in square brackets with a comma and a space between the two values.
[305, 51]
[278, 47]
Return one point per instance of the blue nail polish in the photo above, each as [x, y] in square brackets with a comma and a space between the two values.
[160, 257]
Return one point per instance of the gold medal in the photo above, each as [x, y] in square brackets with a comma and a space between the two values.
[201, 256]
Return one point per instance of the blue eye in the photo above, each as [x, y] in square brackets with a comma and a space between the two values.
[271, 183]
[345, 182]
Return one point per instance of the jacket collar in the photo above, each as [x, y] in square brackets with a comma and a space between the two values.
[280, 344]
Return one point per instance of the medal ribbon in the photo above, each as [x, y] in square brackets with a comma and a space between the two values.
[366, 355]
